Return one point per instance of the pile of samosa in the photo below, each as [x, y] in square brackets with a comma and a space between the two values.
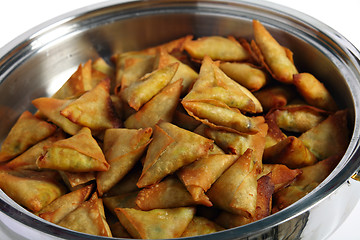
[187, 138]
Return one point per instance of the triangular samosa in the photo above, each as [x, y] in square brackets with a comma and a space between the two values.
[88, 218]
[184, 72]
[94, 109]
[79, 153]
[27, 160]
[123, 148]
[26, 132]
[235, 190]
[201, 174]
[65, 204]
[172, 148]
[169, 193]
[157, 223]
[328, 138]
[214, 85]
[161, 107]
[32, 189]
[130, 67]
[51, 107]
[140, 92]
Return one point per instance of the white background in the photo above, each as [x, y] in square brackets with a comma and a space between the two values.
[17, 16]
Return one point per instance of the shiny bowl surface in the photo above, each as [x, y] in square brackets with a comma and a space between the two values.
[38, 62]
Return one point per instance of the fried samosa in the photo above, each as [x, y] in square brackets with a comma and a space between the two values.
[172, 148]
[123, 148]
[276, 57]
[94, 109]
[161, 107]
[157, 223]
[236, 189]
[169, 193]
[88, 218]
[140, 92]
[32, 189]
[216, 47]
[27, 131]
[60, 207]
[79, 153]
[51, 107]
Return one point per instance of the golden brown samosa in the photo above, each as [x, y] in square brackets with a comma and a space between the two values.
[172, 148]
[140, 92]
[157, 223]
[125, 200]
[169, 193]
[51, 107]
[245, 74]
[123, 148]
[27, 131]
[94, 109]
[297, 118]
[217, 47]
[27, 160]
[314, 92]
[222, 117]
[130, 67]
[275, 56]
[275, 96]
[201, 174]
[328, 138]
[102, 66]
[161, 107]
[184, 72]
[281, 176]
[89, 218]
[236, 189]
[234, 143]
[32, 189]
[65, 204]
[79, 153]
[213, 85]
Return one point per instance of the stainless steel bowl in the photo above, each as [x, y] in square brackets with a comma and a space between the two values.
[36, 63]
